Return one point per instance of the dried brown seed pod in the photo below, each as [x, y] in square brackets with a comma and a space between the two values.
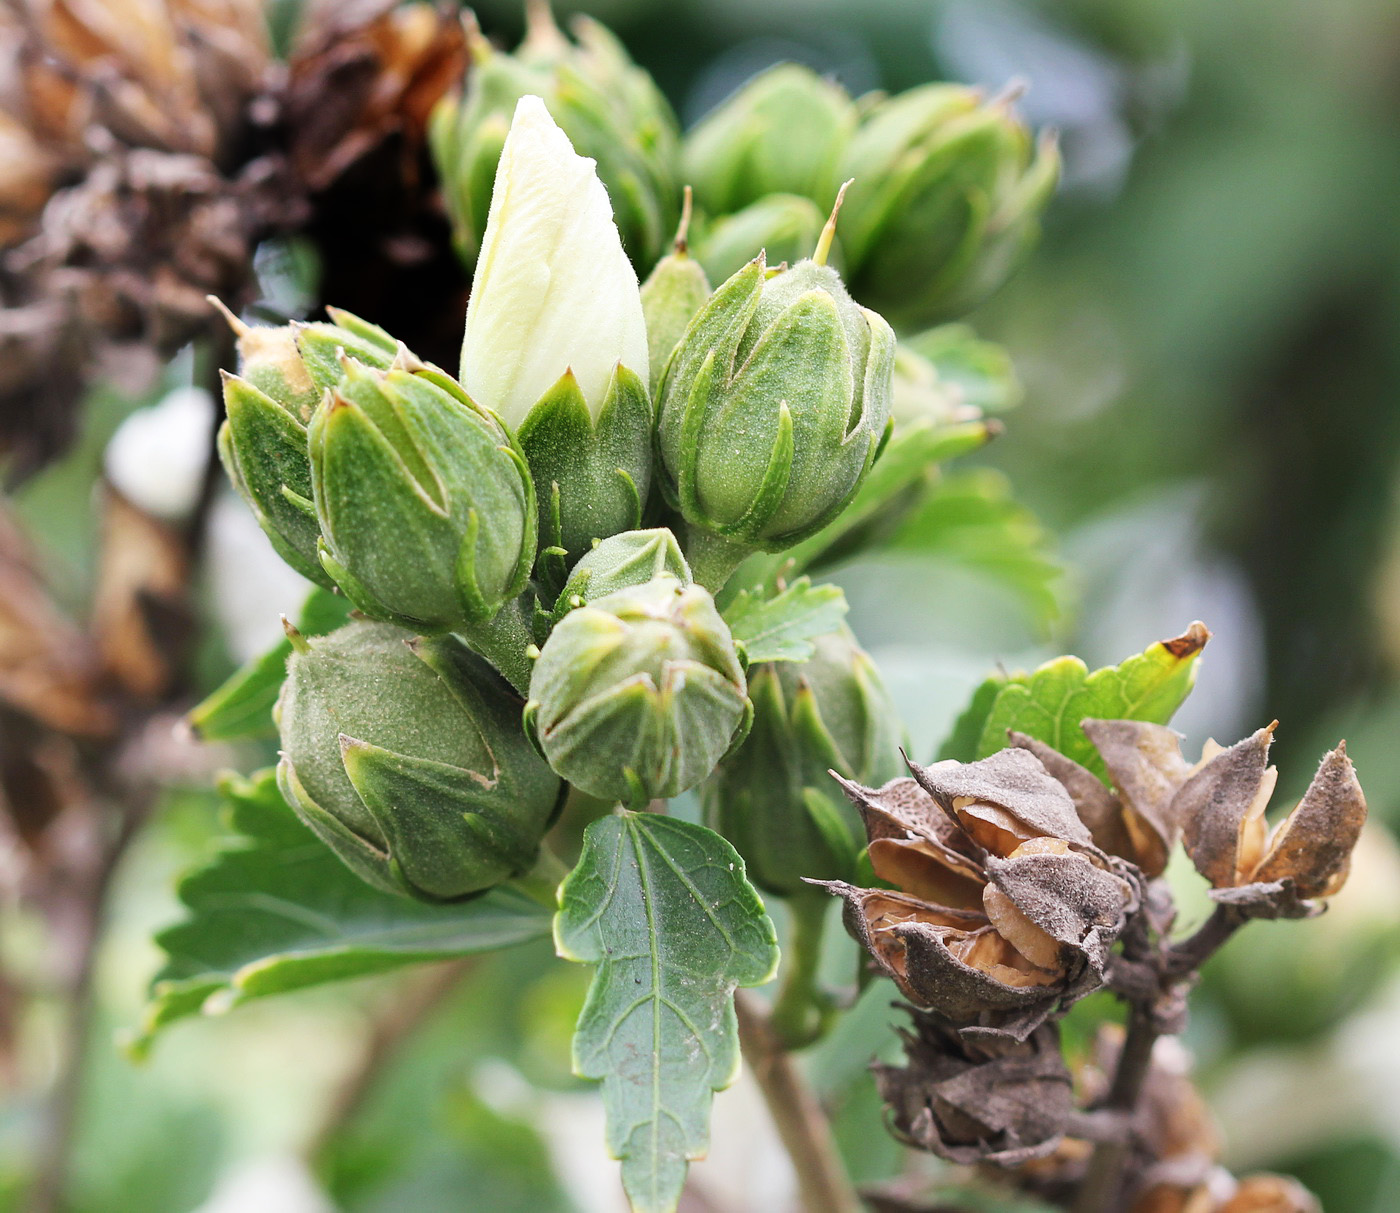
[1004, 909]
[1269, 874]
[1003, 1103]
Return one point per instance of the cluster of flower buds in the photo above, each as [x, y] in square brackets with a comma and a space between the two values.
[949, 184]
[948, 188]
[501, 511]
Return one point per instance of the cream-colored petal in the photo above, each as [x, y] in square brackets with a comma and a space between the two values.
[554, 290]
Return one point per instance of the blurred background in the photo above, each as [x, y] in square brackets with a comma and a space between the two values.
[1208, 338]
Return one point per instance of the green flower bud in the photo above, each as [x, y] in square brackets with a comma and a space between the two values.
[785, 227]
[639, 693]
[426, 507]
[773, 797]
[947, 197]
[784, 132]
[611, 110]
[771, 411]
[673, 292]
[405, 756]
[284, 371]
[623, 562]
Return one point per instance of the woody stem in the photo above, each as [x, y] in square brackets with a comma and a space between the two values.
[1099, 1191]
[822, 1182]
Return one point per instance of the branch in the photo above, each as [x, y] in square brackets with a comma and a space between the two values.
[823, 1185]
[1099, 1191]
[408, 1012]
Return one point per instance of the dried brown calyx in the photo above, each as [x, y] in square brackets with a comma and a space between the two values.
[1003, 908]
[1001, 1101]
[1133, 819]
[1281, 873]
[1175, 1145]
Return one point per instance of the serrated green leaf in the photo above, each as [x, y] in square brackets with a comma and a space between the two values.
[1050, 703]
[275, 910]
[665, 911]
[242, 705]
[781, 628]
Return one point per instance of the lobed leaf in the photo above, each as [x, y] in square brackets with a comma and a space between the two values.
[664, 910]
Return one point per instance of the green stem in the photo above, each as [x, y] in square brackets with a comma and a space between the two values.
[712, 558]
[799, 1012]
[541, 883]
[504, 640]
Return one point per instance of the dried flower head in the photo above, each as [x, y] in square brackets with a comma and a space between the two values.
[1003, 907]
[1132, 820]
[1002, 1102]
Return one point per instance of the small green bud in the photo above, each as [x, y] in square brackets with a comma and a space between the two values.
[784, 132]
[773, 797]
[284, 371]
[611, 110]
[785, 227]
[426, 508]
[673, 292]
[639, 693]
[947, 197]
[405, 756]
[622, 562]
[773, 407]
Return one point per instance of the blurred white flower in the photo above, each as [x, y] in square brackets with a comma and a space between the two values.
[157, 457]
[279, 1184]
[554, 290]
[251, 587]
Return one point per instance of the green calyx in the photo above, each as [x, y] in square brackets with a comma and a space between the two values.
[773, 797]
[610, 109]
[947, 196]
[784, 132]
[592, 475]
[426, 506]
[638, 694]
[673, 292]
[405, 756]
[620, 563]
[773, 406]
[284, 371]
